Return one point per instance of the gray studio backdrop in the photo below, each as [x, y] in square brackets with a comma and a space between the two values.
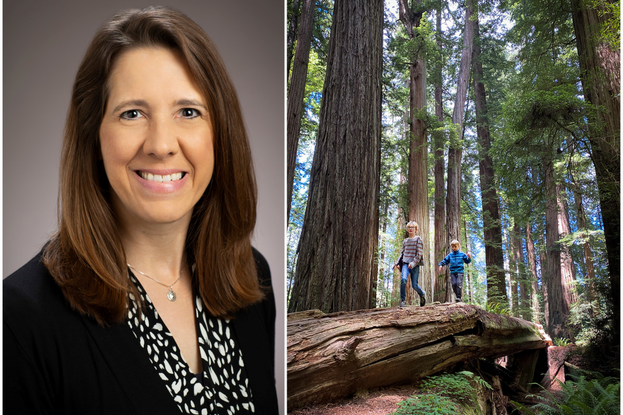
[44, 42]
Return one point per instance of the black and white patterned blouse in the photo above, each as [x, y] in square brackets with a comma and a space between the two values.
[222, 387]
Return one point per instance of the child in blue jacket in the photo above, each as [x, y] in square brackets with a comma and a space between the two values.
[455, 259]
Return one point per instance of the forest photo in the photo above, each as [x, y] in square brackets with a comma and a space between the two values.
[494, 124]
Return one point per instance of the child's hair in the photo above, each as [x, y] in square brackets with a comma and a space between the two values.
[455, 242]
[413, 223]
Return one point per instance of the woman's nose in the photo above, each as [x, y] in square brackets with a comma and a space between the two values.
[161, 140]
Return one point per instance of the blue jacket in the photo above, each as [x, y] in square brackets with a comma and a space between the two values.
[455, 259]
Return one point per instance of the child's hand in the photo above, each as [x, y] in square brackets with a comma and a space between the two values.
[440, 270]
[469, 255]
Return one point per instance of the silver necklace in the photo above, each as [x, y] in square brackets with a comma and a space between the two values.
[171, 294]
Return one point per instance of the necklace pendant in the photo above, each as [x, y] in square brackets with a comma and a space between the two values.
[171, 295]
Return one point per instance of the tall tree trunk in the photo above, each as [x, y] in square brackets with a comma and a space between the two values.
[467, 286]
[536, 309]
[512, 271]
[439, 286]
[567, 267]
[494, 258]
[296, 92]
[522, 278]
[381, 267]
[374, 272]
[400, 231]
[601, 81]
[588, 253]
[340, 229]
[418, 148]
[558, 300]
[544, 282]
[455, 151]
[293, 25]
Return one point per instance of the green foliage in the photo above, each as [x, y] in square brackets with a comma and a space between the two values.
[498, 308]
[600, 396]
[426, 404]
[561, 341]
[443, 394]
[610, 30]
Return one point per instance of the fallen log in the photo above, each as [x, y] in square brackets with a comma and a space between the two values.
[331, 356]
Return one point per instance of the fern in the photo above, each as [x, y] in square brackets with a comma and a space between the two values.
[599, 396]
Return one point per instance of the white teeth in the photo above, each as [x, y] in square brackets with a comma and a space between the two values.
[160, 178]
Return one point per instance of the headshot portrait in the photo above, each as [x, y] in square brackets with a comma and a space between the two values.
[143, 243]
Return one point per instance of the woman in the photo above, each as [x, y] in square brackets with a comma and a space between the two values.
[409, 263]
[149, 297]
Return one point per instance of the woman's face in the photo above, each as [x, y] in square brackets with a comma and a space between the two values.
[156, 138]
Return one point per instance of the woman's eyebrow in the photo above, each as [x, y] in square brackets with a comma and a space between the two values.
[189, 102]
[132, 102]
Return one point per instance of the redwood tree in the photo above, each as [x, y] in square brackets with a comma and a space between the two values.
[296, 91]
[439, 285]
[494, 258]
[455, 151]
[601, 81]
[339, 234]
[558, 289]
[418, 147]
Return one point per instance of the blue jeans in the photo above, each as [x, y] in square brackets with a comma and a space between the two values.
[457, 284]
[415, 275]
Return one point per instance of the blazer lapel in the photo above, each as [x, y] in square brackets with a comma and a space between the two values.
[257, 359]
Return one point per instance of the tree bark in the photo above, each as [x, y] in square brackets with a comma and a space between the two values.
[455, 151]
[381, 267]
[418, 147]
[601, 82]
[567, 268]
[557, 298]
[588, 253]
[525, 285]
[513, 274]
[467, 286]
[296, 91]
[340, 228]
[332, 356]
[524, 282]
[400, 230]
[293, 25]
[494, 258]
[439, 286]
[536, 309]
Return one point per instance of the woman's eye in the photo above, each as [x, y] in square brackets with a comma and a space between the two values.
[131, 114]
[189, 113]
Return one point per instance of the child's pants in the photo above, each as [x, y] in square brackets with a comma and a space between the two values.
[414, 273]
[457, 284]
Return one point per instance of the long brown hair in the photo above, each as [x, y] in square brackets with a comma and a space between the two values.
[86, 257]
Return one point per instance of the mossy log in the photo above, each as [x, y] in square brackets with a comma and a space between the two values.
[331, 356]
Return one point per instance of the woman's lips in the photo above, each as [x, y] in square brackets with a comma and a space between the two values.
[161, 181]
[161, 178]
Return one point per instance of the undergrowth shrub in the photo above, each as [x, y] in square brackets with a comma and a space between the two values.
[599, 396]
[443, 394]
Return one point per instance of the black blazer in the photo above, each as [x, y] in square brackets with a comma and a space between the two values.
[57, 361]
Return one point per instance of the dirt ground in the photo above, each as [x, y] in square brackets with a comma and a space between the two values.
[378, 402]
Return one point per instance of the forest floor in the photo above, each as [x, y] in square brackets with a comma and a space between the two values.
[381, 401]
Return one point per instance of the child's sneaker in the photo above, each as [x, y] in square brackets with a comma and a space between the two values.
[403, 304]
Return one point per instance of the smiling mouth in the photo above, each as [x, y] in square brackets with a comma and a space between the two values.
[161, 178]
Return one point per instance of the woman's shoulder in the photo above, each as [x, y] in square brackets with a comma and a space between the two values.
[31, 297]
[263, 269]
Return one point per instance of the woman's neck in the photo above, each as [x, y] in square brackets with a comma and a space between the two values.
[157, 249]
